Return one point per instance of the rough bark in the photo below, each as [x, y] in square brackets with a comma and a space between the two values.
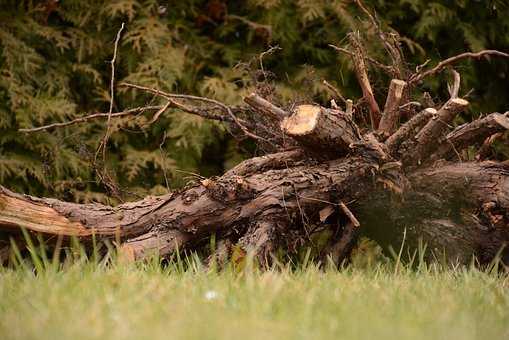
[408, 130]
[470, 134]
[160, 224]
[433, 131]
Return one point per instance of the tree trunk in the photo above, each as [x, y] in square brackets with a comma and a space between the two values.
[326, 175]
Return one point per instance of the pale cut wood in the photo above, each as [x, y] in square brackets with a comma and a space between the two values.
[321, 130]
[390, 117]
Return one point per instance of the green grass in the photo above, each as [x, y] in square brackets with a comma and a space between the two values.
[127, 301]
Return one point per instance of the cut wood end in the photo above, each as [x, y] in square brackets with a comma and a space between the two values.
[398, 86]
[398, 82]
[502, 120]
[460, 102]
[17, 212]
[431, 110]
[302, 121]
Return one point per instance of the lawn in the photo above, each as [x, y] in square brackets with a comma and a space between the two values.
[127, 301]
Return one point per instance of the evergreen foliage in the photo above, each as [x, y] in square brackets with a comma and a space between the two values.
[54, 66]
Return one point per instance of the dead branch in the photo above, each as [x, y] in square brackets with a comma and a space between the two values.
[417, 77]
[387, 69]
[334, 90]
[363, 79]
[471, 134]
[433, 131]
[350, 215]
[407, 131]
[262, 105]
[104, 141]
[486, 147]
[391, 47]
[133, 111]
[214, 102]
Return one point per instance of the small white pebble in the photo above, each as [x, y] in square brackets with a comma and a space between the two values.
[211, 295]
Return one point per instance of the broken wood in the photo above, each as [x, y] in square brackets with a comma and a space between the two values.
[260, 104]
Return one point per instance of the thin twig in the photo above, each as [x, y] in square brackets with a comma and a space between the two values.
[334, 90]
[416, 77]
[163, 163]
[393, 49]
[350, 215]
[218, 104]
[104, 141]
[93, 116]
[262, 55]
[387, 69]
[159, 113]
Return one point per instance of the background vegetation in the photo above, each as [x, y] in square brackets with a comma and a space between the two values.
[54, 66]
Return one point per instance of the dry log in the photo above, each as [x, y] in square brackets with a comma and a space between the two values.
[235, 202]
[461, 209]
[322, 130]
[269, 201]
[159, 225]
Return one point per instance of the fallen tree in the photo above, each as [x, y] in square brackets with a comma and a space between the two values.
[324, 171]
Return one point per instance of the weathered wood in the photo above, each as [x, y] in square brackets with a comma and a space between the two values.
[52, 216]
[436, 129]
[461, 209]
[159, 225]
[407, 131]
[486, 147]
[165, 223]
[262, 105]
[322, 130]
[363, 79]
[470, 134]
[390, 116]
